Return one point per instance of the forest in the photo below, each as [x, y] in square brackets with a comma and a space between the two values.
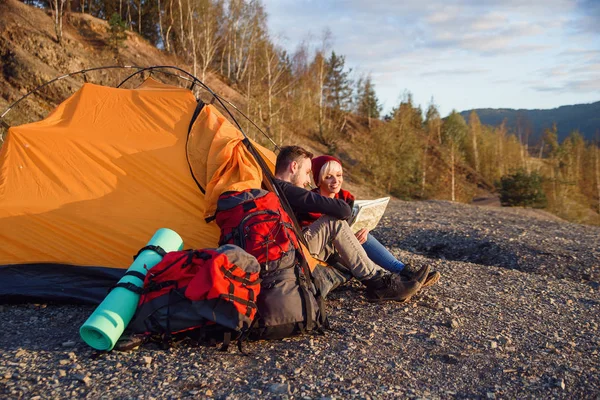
[311, 94]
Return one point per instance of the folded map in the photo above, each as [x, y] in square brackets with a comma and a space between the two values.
[367, 213]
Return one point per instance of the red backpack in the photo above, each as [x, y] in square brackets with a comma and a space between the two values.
[194, 289]
[255, 220]
[289, 302]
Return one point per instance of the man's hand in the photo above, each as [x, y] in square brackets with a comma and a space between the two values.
[361, 235]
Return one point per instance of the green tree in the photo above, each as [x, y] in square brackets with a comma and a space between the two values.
[338, 86]
[367, 104]
[522, 189]
[118, 33]
[432, 126]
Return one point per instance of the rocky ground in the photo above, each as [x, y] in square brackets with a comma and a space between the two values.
[515, 316]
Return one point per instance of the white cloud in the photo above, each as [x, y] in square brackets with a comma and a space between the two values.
[447, 72]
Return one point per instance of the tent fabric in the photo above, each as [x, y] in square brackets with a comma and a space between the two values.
[85, 188]
[218, 158]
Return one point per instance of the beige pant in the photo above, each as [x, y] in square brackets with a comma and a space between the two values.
[328, 235]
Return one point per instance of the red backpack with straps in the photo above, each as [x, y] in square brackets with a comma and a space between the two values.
[255, 220]
[289, 303]
[194, 289]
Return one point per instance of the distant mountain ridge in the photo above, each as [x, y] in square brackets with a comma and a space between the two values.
[582, 117]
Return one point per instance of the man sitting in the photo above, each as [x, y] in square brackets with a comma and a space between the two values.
[331, 234]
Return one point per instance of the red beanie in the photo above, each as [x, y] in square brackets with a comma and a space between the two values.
[317, 164]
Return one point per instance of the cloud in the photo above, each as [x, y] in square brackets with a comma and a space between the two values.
[577, 86]
[446, 72]
[577, 52]
[584, 85]
[548, 88]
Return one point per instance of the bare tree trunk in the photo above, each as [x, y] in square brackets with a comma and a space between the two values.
[209, 41]
[521, 148]
[230, 50]
[527, 159]
[192, 37]
[140, 17]
[237, 57]
[269, 59]
[475, 151]
[60, 20]
[423, 174]
[121, 8]
[527, 155]
[320, 92]
[424, 166]
[453, 173]
[171, 22]
[248, 88]
[279, 122]
[344, 123]
[553, 177]
[129, 23]
[240, 64]
[222, 58]
[182, 38]
[57, 8]
[274, 74]
[500, 154]
[82, 5]
[577, 164]
[160, 25]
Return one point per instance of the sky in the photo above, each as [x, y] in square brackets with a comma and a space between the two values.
[462, 54]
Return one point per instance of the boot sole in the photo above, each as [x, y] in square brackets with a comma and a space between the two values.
[432, 279]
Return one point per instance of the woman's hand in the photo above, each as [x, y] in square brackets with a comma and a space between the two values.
[361, 235]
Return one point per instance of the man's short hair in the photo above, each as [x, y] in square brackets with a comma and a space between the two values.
[288, 154]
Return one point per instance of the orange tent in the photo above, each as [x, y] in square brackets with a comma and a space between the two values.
[82, 190]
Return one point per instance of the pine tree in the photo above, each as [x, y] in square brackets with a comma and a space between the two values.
[367, 104]
[432, 126]
[338, 86]
[118, 33]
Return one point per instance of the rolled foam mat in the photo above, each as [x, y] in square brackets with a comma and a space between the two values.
[106, 324]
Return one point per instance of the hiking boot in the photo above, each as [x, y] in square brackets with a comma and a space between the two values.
[391, 287]
[432, 277]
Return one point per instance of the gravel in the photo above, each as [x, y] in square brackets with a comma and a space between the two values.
[515, 315]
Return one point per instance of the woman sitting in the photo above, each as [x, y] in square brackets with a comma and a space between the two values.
[328, 176]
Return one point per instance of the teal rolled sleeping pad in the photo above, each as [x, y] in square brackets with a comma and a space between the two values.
[106, 324]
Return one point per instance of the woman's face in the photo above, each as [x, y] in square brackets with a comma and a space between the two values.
[333, 177]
